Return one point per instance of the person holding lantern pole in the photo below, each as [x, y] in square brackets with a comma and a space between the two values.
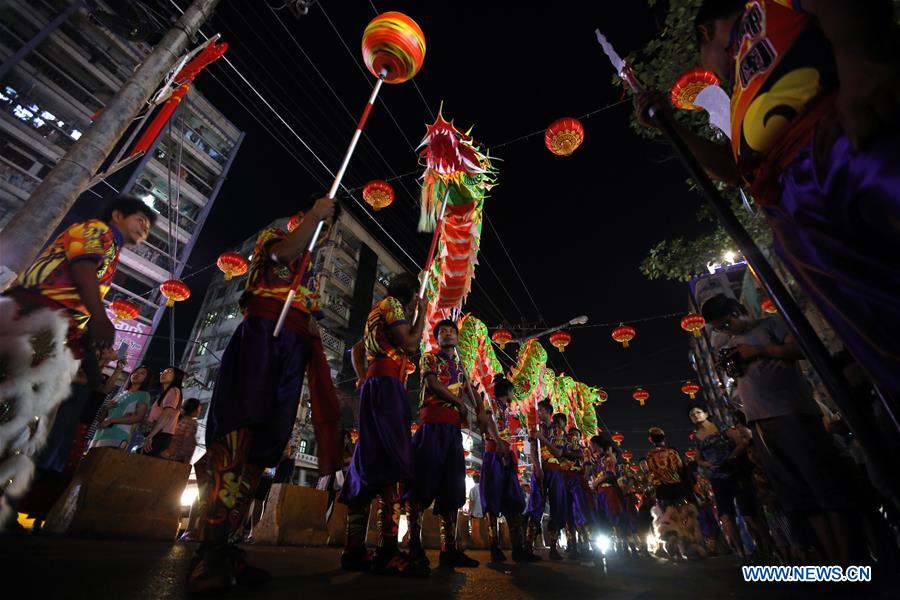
[381, 466]
[580, 518]
[500, 489]
[814, 91]
[255, 400]
[604, 482]
[438, 456]
[534, 511]
[553, 442]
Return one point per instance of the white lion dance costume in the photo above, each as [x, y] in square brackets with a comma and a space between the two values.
[36, 370]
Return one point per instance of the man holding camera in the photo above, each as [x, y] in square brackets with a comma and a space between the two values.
[799, 456]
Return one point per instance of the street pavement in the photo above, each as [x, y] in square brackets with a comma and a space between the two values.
[44, 567]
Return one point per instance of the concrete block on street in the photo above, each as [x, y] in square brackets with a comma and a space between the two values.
[294, 516]
[114, 494]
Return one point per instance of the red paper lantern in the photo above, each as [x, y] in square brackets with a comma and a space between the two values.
[231, 264]
[561, 339]
[627, 455]
[174, 290]
[618, 438]
[378, 194]
[693, 323]
[623, 334]
[689, 85]
[413, 428]
[354, 436]
[690, 388]
[641, 395]
[768, 306]
[124, 310]
[502, 337]
[564, 136]
[691, 453]
[602, 396]
[635, 468]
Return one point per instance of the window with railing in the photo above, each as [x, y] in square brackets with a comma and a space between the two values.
[344, 277]
[331, 341]
[33, 107]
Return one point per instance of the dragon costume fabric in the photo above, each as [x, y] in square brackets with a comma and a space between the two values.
[455, 167]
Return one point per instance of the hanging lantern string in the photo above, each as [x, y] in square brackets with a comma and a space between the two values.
[514, 140]
[644, 385]
[630, 321]
[609, 324]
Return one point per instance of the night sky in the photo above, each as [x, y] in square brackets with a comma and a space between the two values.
[576, 228]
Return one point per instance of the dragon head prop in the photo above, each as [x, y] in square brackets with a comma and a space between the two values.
[451, 159]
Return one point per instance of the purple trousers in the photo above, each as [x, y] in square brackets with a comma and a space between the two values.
[611, 503]
[536, 501]
[499, 487]
[555, 489]
[837, 228]
[580, 512]
[383, 454]
[258, 388]
[439, 468]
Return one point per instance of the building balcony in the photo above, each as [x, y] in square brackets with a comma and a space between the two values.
[340, 280]
[307, 461]
[187, 190]
[146, 261]
[334, 346]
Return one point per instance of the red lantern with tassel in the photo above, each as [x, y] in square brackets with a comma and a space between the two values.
[627, 455]
[502, 337]
[231, 264]
[561, 339]
[174, 290]
[767, 306]
[691, 453]
[564, 136]
[413, 428]
[689, 85]
[690, 388]
[618, 438]
[354, 436]
[635, 468]
[623, 334]
[693, 323]
[641, 395]
[124, 310]
[378, 194]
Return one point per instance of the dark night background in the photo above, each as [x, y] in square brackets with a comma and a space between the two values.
[576, 228]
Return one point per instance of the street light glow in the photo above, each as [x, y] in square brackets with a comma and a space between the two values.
[729, 256]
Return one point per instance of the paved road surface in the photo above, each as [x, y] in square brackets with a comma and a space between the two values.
[52, 568]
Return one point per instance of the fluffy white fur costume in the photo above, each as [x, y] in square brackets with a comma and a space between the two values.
[29, 393]
[679, 529]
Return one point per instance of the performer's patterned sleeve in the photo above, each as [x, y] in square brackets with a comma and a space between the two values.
[265, 240]
[428, 364]
[88, 240]
[393, 312]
